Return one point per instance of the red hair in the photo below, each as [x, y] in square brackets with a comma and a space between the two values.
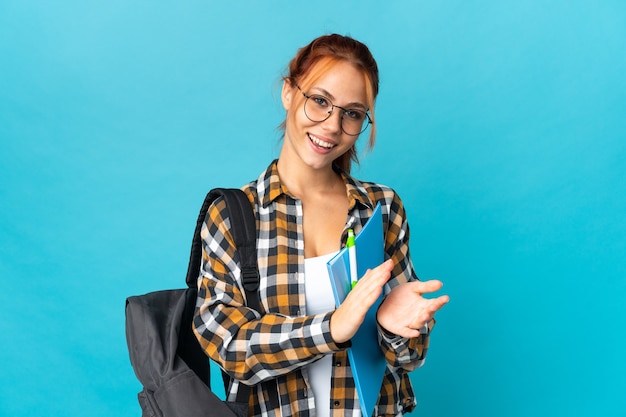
[318, 57]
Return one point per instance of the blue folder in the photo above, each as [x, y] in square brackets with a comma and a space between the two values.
[366, 359]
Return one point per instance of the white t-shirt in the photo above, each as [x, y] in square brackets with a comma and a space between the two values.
[320, 299]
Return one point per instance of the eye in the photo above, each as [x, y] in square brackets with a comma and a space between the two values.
[356, 115]
[321, 101]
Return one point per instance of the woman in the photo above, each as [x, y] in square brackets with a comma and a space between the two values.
[297, 346]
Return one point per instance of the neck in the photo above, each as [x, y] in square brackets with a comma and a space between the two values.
[300, 178]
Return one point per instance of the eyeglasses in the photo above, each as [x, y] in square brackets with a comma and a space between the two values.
[318, 108]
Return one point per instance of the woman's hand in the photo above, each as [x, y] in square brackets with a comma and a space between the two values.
[349, 316]
[405, 310]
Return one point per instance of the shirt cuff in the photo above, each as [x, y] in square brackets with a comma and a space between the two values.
[392, 339]
[396, 341]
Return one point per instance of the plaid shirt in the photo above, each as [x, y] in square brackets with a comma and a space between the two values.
[278, 345]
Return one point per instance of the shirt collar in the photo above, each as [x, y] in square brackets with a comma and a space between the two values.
[274, 188]
[356, 191]
[271, 188]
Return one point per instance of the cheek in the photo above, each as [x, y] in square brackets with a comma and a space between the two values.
[290, 120]
[351, 141]
[296, 119]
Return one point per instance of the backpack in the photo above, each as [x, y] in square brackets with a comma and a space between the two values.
[164, 352]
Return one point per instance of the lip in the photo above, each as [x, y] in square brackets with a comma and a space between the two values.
[320, 144]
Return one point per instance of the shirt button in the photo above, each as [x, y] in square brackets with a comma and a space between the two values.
[338, 364]
[337, 403]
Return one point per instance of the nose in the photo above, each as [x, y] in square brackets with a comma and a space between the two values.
[333, 123]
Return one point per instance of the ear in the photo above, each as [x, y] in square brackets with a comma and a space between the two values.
[287, 94]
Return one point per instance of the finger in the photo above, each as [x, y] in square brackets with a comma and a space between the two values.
[368, 289]
[427, 311]
[408, 333]
[436, 304]
[381, 273]
[385, 268]
[423, 287]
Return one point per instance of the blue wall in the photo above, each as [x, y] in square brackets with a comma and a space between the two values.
[501, 124]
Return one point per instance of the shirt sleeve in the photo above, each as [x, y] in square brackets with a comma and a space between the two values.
[401, 352]
[251, 347]
[404, 353]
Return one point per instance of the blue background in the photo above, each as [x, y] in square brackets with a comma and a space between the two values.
[500, 123]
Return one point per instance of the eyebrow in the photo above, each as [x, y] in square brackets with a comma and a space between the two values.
[330, 96]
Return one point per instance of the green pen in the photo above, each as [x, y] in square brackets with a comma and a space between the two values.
[352, 256]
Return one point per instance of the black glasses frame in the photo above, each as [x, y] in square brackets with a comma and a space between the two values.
[332, 109]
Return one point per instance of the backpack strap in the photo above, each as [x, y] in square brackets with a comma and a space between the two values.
[195, 256]
[243, 229]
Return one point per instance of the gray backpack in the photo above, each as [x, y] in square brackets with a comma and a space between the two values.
[164, 352]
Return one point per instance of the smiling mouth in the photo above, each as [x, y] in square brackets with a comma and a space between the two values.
[317, 141]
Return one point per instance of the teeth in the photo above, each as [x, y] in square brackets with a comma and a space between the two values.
[320, 142]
